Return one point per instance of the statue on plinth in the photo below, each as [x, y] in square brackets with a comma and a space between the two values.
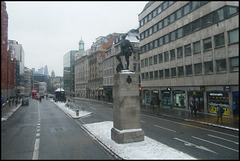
[126, 50]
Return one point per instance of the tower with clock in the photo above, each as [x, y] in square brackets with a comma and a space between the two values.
[81, 46]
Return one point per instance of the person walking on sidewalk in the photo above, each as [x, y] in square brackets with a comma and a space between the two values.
[191, 107]
[195, 107]
[220, 112]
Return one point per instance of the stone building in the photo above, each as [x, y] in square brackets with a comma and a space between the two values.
[190, 52]
[98, 51]
[110, 62]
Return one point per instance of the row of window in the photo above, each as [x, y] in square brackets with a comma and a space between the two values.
[219, 41]
[208, 68]
[163, 6]
[188, 8]
[198, 24]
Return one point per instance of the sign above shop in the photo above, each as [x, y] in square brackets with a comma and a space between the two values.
[216, 94]
[226, 88]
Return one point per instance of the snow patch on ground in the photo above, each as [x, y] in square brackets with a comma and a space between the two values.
[147, 149]
[70, 112]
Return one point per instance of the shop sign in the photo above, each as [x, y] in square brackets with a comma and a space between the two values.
[216, 94]
[226, 88]
[155, 91]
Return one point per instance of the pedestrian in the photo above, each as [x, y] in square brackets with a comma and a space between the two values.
[195, 108]
[9, 102]
[16, 101]
[191, 107]
[220, 112]
[158, 103]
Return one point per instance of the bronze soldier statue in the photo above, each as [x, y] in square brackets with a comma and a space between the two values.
[126, 50]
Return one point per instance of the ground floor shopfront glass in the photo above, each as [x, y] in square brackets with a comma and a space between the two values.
[146, 95]
[236, 104]
[179, 99]
[196, 97]
[166, 98]
[216, 98]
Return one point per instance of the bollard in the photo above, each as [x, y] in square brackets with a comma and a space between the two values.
[77, 112]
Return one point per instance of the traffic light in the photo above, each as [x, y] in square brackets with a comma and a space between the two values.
[140, 88]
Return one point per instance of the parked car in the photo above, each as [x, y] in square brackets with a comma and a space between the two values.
[25, 101]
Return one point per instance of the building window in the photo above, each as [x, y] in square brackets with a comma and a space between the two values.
[219, 15]
[146, 62]
[187, 29]
[155, 44]
[150, 31]
[208, 66]
[155, 59]
[166, 38]
[146, 33]
[231, 10]
[151, 75]
[150, 45]
[160, 58]
[219, 40]
[160, 26]
[196, 47]
[150, 61]
[198, 69]
[155, 28]
[173, 72]
[179, 52]
[160, 41]
[156, 74]
[180, 71]
[172, 18]
[179, 99]
[195, 4]
[147, 76]
[166, 56]
[187, 50]
[155, 13]
[188, 70]
[161, 74]
[165, 5]
[166, 21]
[167, 75]
[143, 76]
[172, 54]
[180, 33]
[173, 35]
[159, 10]
[196, 25]
[234, 64]
[179, 13]
[142, 63]
[221, 65]
[233, 36]
[186, 9]
[207, 20]
[207, 44]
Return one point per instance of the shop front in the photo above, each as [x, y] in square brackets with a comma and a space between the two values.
[196, 97]
[166, 98]
[179, 99]
[146, 97]
[216, 98]
[235, 104]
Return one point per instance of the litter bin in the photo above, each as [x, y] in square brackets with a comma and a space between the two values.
[77, 112]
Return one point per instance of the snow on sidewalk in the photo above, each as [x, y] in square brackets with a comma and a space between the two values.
[147, 149]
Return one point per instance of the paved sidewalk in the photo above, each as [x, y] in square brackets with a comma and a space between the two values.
[208, 119]
[7, 111]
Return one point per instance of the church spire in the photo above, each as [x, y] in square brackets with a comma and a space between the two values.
[81, 45]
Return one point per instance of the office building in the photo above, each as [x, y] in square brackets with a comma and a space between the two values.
[190, 52]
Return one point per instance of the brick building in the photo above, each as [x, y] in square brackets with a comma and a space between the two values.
[8, 65]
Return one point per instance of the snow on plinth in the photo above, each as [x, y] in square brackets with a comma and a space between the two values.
[147, 149]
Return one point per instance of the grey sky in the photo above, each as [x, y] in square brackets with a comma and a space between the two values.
[48, 30]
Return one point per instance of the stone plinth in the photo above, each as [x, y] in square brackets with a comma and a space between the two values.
[126, 109]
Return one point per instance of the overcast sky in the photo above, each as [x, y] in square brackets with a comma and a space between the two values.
[48, 30]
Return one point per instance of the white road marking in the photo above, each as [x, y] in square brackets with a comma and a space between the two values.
[196, 146]
[165, 128]
[223, 139]
[37, 140]
[192, 126]
[93, 108]
[215, 144]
